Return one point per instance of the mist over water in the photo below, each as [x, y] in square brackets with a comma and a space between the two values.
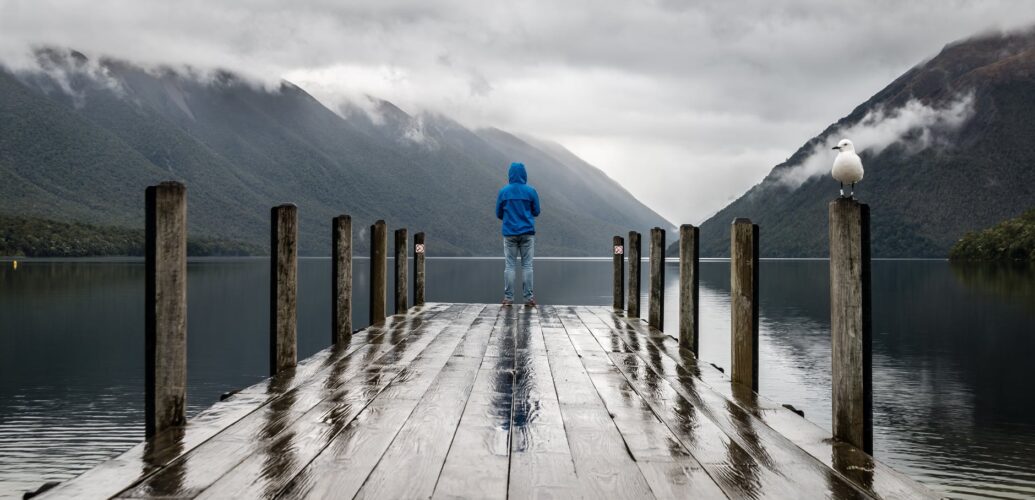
[952, 348]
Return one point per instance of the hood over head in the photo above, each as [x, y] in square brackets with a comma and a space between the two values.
[517, 173]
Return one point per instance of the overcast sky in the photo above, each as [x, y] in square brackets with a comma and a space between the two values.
[686, 105]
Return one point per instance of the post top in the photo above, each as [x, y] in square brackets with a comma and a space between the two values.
[686, 226]
[167, 186]
[345, 217]
[840, 200]
[741, 220]
[401, 230]
[379, 222]
[287, 205]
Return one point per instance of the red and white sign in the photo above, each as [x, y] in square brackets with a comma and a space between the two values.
[418, 248]
[619, 249]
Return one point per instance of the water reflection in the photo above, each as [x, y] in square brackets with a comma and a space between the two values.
[952, 351]
[1013, 281]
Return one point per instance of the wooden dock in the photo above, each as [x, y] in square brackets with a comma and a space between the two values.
[484, 401]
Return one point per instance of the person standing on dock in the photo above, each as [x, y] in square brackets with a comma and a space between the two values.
[517, 205]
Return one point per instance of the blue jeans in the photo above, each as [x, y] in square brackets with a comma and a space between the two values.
[512, 247]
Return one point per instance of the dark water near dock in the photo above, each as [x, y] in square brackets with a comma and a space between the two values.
[953, 351]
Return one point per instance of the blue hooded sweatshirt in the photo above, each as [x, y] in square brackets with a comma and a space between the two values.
[517, 205]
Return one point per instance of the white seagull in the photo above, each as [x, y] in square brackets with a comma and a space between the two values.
[848, 167]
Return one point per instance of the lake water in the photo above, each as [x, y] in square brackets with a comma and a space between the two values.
[953, 352]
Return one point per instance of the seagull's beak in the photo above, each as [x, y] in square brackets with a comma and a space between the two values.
[836, 147]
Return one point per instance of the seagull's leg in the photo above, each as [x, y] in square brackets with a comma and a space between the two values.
[853, 189]
[842, 189]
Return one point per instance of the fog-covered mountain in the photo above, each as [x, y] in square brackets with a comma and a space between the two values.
[949, 147]
[81, 138]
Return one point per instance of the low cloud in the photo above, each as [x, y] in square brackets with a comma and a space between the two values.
[66, 71]
[915, 125]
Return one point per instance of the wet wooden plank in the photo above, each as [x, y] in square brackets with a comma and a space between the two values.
[478, 461]
[257, 432]
[769, 418]
[668, 466]
[872, 476]
[265, 474]
[143, 460]
[752, 450]
[420, 448]
[541, 464]
[602, 462]
[490, 402]
[341, 469]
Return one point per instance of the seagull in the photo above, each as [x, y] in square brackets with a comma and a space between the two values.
[848, 167]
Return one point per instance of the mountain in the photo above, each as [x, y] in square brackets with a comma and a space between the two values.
[80, 139]
[951, 152]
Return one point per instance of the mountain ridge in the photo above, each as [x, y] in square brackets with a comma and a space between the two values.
[931, 185]
[81, 139]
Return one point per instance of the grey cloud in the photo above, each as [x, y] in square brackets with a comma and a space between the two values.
[706, 96]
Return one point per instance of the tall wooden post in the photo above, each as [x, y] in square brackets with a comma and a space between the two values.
[283, 287]
[165, 307]
[341, 279]
[744, 302]
[418, 269]
[689, 279]
[378, 271]
[850, 327]
[656, 307]
[402, 282]
[618, 273]
[633, 302]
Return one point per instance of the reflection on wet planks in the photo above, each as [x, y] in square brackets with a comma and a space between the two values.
[342, 403]
[476, 401]
[541, 464]
[666, 464]
[751, 414]
[269, 433]
[602, 460]
[734, 455]
[341, 469]
[111, 477]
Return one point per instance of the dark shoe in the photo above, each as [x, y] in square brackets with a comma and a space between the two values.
[507, 302]
[530, 302]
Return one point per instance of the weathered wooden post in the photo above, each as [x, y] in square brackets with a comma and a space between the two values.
[656, 307]
[378, 271]
[165, 307]
[633, 302]
[618, 274]
[402, 282]
[341, 279]
[689, 279]
[283, 287]
[744, 302]
[418, 269]
[850, 327]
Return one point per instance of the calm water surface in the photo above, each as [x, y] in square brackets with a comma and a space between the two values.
[953, 353]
